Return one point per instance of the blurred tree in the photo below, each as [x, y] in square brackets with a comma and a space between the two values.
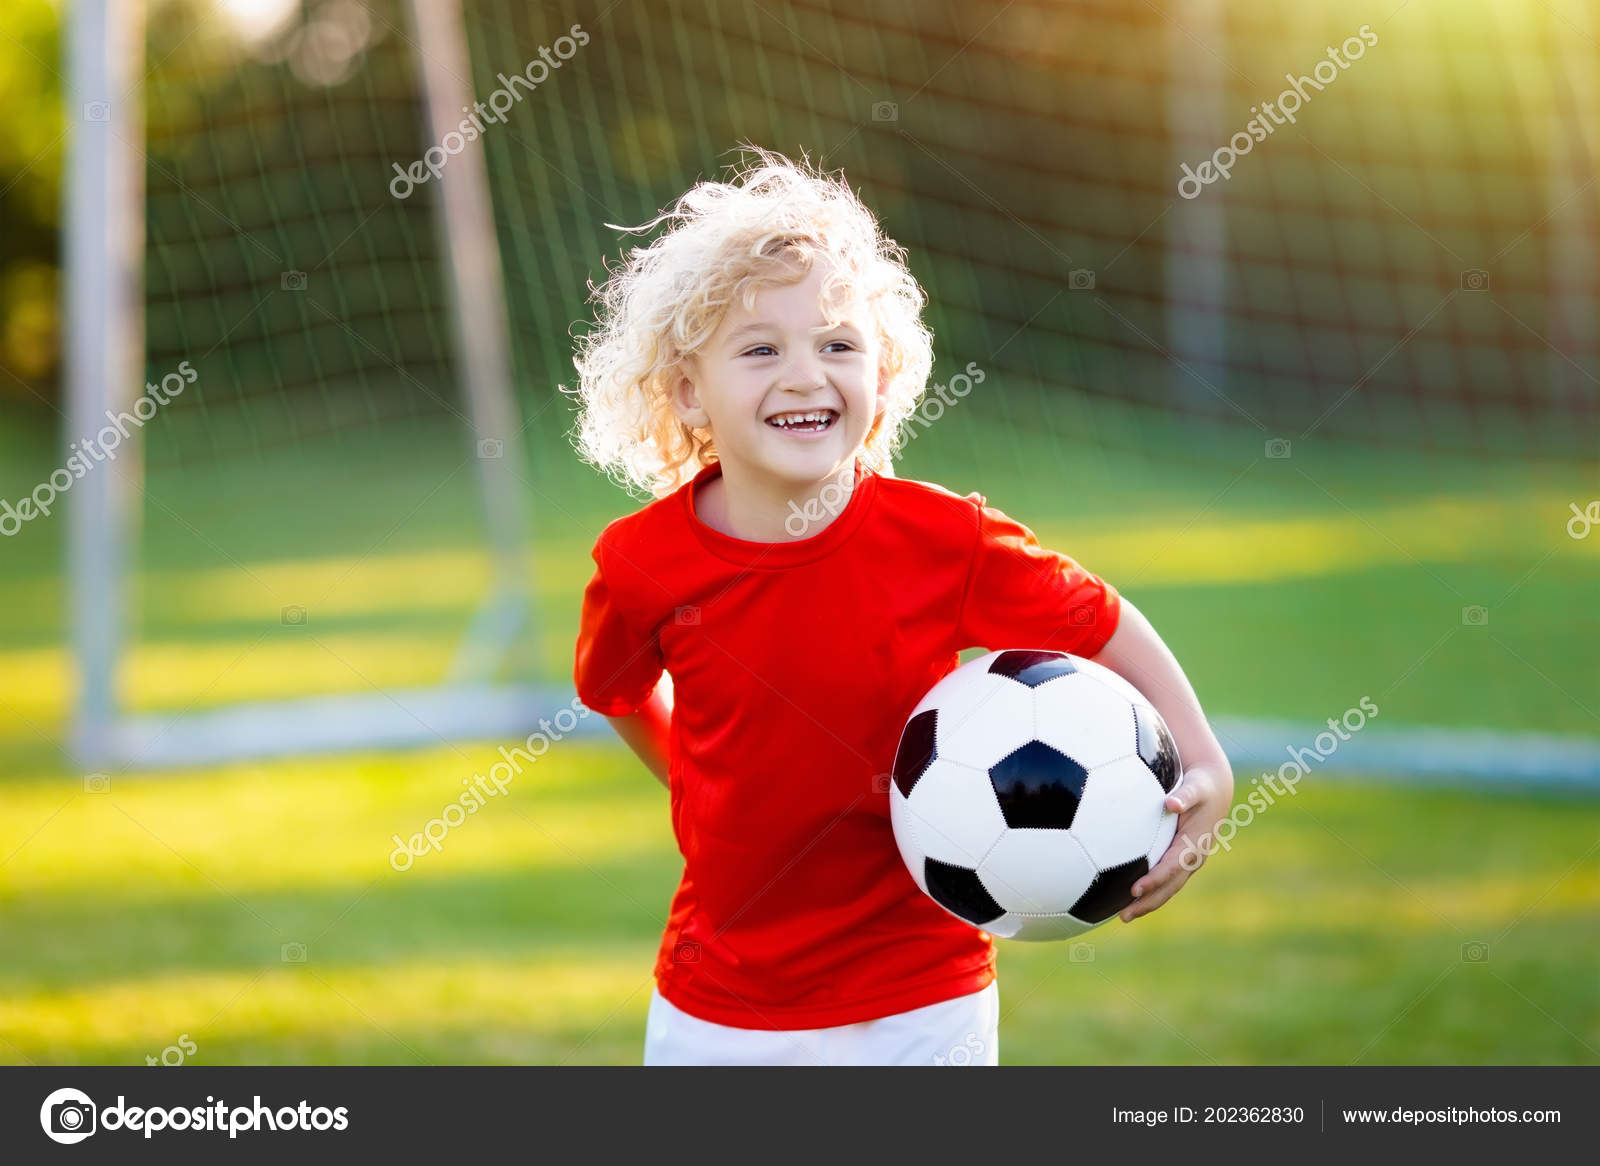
[31, 150]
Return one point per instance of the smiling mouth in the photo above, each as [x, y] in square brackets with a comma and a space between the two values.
[814, 421]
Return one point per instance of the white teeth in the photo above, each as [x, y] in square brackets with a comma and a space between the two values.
[787, 419]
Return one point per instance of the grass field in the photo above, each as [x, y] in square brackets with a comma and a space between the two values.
[1336, 931]
[1333, 933]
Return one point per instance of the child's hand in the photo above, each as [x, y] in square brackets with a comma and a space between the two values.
[1201, 799]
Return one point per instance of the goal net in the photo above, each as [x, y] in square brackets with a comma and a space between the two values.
[313, 530]
[1174, 240]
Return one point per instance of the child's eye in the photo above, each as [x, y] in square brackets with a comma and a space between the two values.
[759, 350]
[846, 343]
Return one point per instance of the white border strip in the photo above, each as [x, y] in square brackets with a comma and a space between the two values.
[1476, 756]
[394, 719]
[427, 717]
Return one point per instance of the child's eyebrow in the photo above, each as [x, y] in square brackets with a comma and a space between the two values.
[758, 326]
[746, 329]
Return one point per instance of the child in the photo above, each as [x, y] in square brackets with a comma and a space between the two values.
[751, 368]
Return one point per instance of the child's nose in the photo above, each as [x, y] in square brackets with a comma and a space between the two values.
[804, 372]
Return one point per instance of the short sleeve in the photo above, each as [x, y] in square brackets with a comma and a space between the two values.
[1022, 595]
[616, 668]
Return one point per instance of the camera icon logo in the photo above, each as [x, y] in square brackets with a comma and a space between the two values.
[881, 782]
[97, 111]
[491, 447]
[1081, 953]
[687, 952]
[1080, 279]
[293, 616]
[1081, 616]
[293, 953]
[687, 617]
[885, 111]
[1475, 953]
[1475, 616]
[1475, 279]
[97, 783]
[1278, 447]
[67, 1116]
[292, 281]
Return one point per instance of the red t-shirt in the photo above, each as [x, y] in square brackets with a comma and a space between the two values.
[794, 667]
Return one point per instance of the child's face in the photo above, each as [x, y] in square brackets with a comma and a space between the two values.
[763, 369]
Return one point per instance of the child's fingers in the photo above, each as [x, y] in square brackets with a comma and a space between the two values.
[1153, 896]
[1171, 864]
[1162, 873]
[1170, 869]
[1169, 874]
[1196, 785]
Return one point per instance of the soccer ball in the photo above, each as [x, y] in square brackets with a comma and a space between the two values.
[1027, 793]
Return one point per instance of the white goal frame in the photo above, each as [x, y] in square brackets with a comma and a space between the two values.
[104, 242]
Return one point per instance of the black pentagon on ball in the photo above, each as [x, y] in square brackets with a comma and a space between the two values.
[957, 890]
[1156, 747]
[915, 754]
[1031, 666]
[1038, 786]
[1111, 891]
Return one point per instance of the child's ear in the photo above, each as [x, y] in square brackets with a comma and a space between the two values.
[685, 401]
[884, 380]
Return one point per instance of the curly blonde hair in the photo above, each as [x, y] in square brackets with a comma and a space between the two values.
[725, 242]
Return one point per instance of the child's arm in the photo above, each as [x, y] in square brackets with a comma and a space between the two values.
[1138, 654]
[646, 732]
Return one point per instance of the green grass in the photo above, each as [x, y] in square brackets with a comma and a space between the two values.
[1333, 932]
[1288, 588]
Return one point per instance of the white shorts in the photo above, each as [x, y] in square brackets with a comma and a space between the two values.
[961, 1031]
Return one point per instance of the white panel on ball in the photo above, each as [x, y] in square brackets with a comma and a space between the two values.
[985, 720]
[904, 839]
[1037, 928]
[1088, 721]
[1164, 835]
[952, 813]
[1006, 927]
[1037, 871]
[1119, 813]
[1118, 684]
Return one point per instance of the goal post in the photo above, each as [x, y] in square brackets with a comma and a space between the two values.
[466, 223]
[103, 243]
[104, 231]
